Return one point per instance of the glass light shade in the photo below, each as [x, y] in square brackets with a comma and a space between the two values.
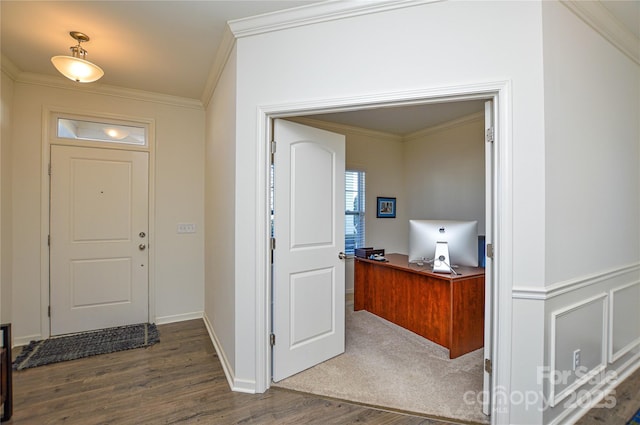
[77, 69]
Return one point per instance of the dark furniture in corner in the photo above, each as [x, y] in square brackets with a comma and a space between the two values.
[5, 373]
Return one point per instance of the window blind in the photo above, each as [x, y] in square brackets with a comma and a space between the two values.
[354, 224]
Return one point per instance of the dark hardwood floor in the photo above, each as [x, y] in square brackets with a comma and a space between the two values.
[181, 381]
[178, 381]
[627, 403]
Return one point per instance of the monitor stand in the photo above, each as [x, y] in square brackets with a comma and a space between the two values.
[441, 263]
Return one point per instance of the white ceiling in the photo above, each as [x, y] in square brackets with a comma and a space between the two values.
[404, 120]
[169, 47]
[158, 46]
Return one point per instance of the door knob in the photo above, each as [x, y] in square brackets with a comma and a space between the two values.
[141, 247]
[342, 255]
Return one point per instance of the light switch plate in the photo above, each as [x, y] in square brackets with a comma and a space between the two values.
[186, 227]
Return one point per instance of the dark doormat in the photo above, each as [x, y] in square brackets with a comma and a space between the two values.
[71, 347]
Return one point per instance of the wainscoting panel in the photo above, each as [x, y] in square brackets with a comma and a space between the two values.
[581, 326]
[598, 314]
[624, 320]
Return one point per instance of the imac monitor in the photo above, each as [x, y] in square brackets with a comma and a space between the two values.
[457, 241]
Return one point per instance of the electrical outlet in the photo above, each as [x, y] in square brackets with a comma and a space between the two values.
[576, 359]
[186, 227]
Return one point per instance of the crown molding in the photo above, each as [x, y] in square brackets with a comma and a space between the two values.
[477, 116]
[315, 13]
[219, 62]
[9, 68]
[594, 14]
[107, 90]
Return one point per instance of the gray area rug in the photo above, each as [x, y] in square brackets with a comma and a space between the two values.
[387, 366]
[71, 347]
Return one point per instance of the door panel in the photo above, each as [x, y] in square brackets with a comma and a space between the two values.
[308, 276]
[312, 218]
[100, 281]
[103, 214]
[98, 258]
[310, 292]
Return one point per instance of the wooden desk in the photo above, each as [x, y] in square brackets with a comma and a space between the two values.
[448, 310]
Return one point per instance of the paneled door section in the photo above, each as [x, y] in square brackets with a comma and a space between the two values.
[308, 268]
[98, 238]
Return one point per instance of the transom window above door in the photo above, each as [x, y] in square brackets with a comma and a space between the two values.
[97, 131]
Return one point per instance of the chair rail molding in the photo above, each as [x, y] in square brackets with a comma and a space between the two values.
[564, 287]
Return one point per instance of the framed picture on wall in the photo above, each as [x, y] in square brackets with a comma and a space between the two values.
[386, 207]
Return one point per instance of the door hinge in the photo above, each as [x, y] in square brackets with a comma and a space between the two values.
[487, 366]
[49, 311]
[489, 250]
[49, 169]
[490, 135]
[273, 244]
[48, 240]
[272, 339]
[272, 150]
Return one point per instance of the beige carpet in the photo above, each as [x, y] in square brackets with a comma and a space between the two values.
[387, 366]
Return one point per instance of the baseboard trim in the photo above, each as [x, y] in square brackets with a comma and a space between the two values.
[235, 384]
[163, 320]
[349, 297]
[25, 340]
[244, 386]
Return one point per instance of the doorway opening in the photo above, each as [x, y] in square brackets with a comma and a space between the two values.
[98, 170]
[496, 93]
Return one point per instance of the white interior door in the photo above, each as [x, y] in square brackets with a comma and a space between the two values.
[308, 275]
[488, 290]
[98, 246]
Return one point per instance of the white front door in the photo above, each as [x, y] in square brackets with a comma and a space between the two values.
[98, 246]
[308, 275]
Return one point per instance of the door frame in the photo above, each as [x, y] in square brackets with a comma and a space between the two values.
[49, 138]
[497, 91]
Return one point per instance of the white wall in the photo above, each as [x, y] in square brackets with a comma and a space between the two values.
[428, 46]
[6, 257]
[382, 159]
[444, 172]
[592, 210]
[220, 212]
[591, 119]
[179, 197]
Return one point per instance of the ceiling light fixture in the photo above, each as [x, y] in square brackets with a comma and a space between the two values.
[76, 67]
[116, 133]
